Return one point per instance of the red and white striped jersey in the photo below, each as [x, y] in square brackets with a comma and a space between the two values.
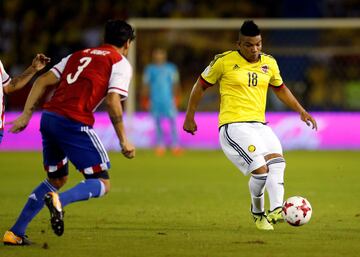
[86, 77]
[4, 80]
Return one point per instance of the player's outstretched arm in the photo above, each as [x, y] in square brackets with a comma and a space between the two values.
[196, 95]
[114, 108]
[285, 95]
[18, 82]
[33, 100]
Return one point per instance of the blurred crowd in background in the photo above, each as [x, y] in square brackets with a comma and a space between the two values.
[322, 67]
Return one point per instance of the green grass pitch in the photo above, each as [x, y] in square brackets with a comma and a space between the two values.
[195, 205]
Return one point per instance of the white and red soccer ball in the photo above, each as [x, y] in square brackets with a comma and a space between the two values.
[296, 211]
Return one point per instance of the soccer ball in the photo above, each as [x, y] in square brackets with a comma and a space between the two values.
[296, 210]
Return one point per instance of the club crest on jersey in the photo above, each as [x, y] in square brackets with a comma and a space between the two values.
[251, 148]
[265, 68]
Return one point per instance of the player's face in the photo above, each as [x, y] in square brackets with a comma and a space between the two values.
[250, 47]
[159, 56]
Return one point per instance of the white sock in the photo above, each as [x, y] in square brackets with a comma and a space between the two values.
[257, 187]
[275, 182]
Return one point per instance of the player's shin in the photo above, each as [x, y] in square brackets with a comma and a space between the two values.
[256, 187]
[86, 189]
[275, 182]
[33, 205]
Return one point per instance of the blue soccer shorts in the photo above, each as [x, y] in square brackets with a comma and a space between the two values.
[1, 135]
[64, 139]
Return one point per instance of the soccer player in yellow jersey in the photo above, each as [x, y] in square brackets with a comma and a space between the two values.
[244, 77]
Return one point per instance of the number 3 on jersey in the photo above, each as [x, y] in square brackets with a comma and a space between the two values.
[83, 63]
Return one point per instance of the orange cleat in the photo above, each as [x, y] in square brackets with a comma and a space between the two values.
[160, 151]
[11, 239]
[177, 151]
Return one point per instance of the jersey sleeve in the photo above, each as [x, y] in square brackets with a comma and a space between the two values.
[213, 71]
[4, 76]
[120, 79]
[59, 68]
[276, 79]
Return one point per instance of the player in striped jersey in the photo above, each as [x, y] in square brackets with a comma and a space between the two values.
[83, 80]
[9, 85]
[244, 77]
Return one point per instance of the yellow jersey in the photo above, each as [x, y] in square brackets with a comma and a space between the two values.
[243, 85]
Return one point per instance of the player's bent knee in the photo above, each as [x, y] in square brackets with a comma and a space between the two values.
[262, 170]
[273, 156]
[104, 177]
[276, 168]
[106, 183]
[58, 182]
[276, 160]
[58, 177]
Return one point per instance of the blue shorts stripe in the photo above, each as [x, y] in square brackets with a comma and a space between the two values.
[237, 148]
[96, 143]
[101, 146]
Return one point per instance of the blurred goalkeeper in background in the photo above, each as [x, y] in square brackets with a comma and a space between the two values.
[161, 86]
[244, 76]
[83, 80]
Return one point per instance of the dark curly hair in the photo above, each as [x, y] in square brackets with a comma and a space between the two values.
[249, 29]
[118, 32]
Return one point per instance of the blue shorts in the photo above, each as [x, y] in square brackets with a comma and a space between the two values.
[1, 135]
[64, 139]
